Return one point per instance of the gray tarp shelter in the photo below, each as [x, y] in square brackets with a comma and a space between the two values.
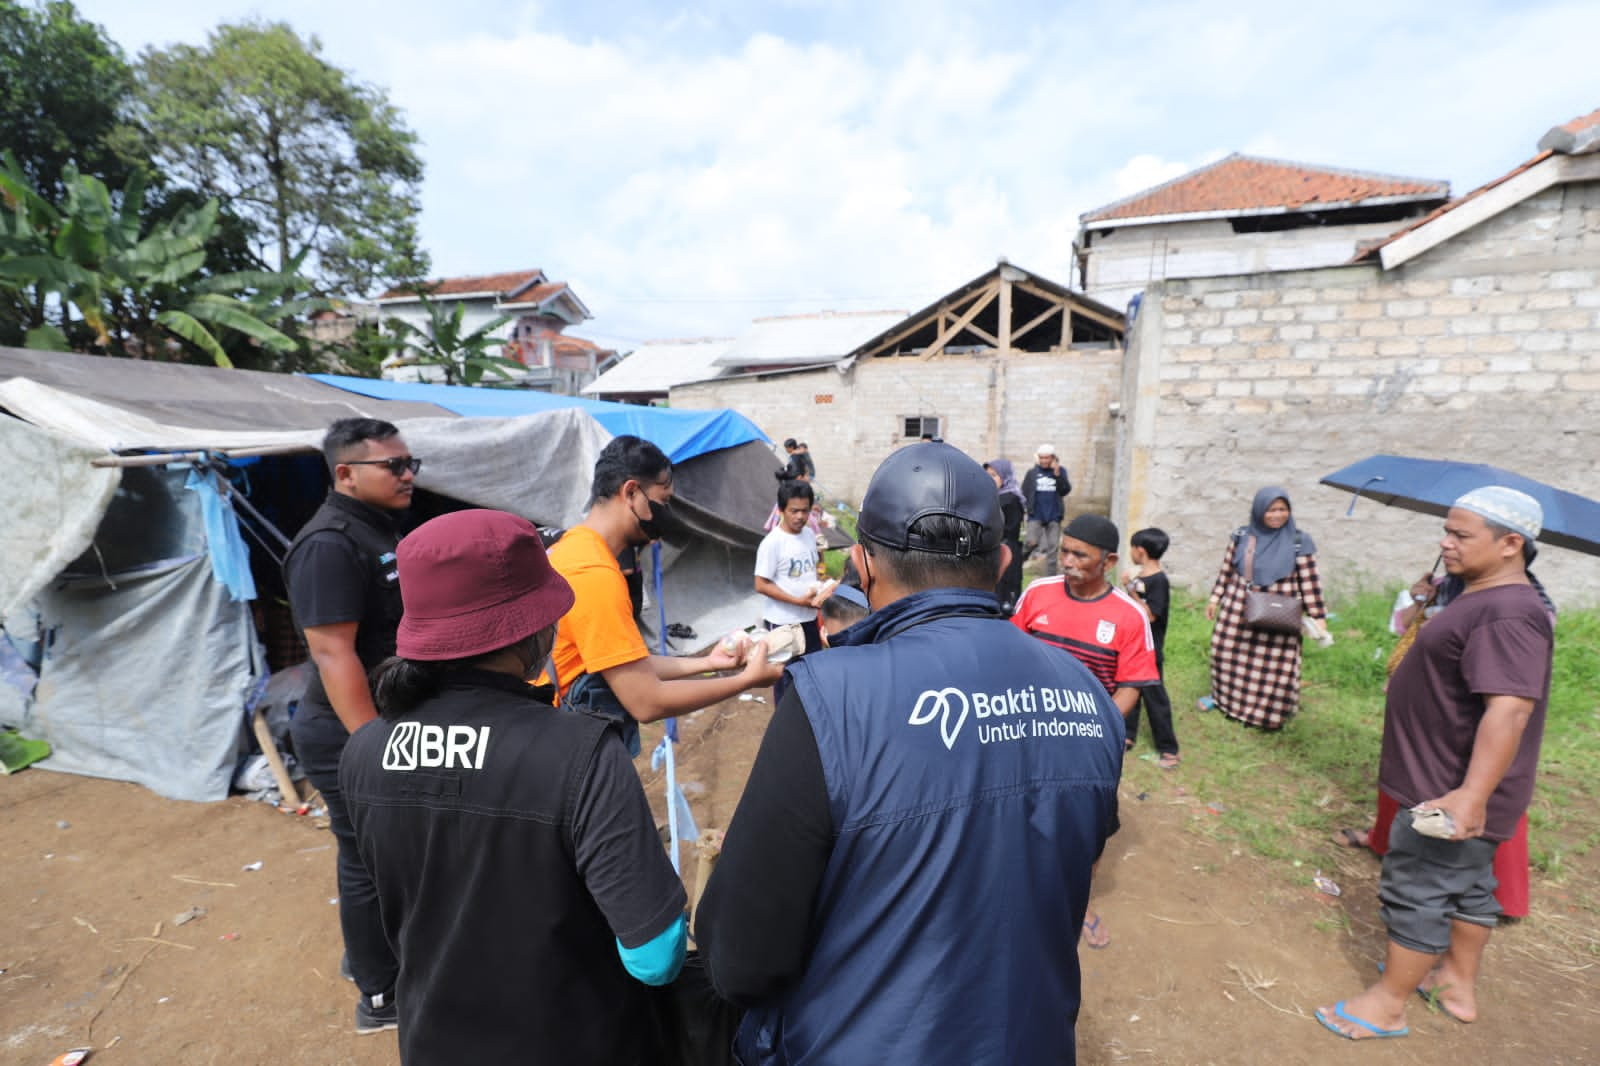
[120, 644]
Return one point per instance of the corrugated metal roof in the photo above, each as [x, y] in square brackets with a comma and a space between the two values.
[659, 365]
[789, 340]
[1244, 184]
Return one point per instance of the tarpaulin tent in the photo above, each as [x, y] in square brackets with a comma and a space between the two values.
[112, 590]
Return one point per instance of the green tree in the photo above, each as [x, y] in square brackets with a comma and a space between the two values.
[106, 287]
[321, 167]
[462, 358]
[62, 85]
[62, 82]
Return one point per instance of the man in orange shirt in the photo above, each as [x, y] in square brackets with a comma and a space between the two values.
[601, 660]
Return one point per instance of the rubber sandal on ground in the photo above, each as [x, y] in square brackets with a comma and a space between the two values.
[1377, 1033]
[1205, 703]
[1094, 933]
[1352, 838]
[1169, 761]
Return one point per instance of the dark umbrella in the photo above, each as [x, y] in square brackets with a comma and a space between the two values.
[1430, 486]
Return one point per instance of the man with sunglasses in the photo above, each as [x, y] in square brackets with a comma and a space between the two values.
[345, 593]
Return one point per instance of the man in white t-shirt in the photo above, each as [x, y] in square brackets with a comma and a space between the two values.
[786, 565]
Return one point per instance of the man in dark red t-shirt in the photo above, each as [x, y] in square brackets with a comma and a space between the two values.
[1083, 614]
[1463, 722]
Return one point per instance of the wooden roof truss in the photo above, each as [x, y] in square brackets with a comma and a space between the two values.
[1005, 311]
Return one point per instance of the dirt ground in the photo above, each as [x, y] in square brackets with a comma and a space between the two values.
[1216, 956]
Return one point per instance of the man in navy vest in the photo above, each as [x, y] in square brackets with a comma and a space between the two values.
[909, 866]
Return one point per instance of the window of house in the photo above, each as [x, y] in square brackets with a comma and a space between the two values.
[918, 426]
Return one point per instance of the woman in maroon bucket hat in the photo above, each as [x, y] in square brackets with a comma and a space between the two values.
[519, 873]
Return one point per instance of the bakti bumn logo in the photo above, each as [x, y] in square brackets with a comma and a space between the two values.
[939, 704]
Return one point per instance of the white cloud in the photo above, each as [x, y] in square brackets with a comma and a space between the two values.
[687, 171]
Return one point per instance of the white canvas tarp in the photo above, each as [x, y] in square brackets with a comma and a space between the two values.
[52, 500]
[145, 667]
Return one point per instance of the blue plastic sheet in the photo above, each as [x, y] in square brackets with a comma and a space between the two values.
[681, 434]
[230, 558]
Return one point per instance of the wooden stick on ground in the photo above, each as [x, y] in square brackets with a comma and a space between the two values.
[709, 846]
[280, 774]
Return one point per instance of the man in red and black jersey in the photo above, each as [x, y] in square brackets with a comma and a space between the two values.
[1103, 627]
[1083, 613]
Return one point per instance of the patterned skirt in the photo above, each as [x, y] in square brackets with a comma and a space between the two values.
[1255, 676]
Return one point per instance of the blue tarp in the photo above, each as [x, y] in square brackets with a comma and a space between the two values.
[681, 434]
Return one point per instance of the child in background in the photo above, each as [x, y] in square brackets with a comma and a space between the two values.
[845, 605]
[1148, 585]
[786, 566]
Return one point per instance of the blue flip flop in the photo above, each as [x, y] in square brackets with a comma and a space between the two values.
[1338, 1008]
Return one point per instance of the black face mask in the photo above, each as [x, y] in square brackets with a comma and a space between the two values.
[660, 520]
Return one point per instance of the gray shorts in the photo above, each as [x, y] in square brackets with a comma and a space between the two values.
[1428, 883]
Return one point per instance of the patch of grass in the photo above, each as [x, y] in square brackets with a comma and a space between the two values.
[1282, 794]
[844, 516]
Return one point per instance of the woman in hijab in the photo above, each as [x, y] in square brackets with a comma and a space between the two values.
[1009, 590]
[1255, 673]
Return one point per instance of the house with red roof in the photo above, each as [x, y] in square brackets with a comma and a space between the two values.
[540, 310]
[1470, 333]
[1242, 214]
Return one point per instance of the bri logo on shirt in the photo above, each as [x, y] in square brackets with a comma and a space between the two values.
[413, 745]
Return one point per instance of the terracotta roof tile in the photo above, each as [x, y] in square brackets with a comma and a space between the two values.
[499, 284]
[1578, 137]
[564, 343]
[1582, 122]
[1241, 183]
[1371, 250]
[538, 294]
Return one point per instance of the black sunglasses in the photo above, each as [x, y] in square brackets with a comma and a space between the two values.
[397, 466]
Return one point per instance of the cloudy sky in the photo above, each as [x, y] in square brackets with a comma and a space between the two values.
[689, 168]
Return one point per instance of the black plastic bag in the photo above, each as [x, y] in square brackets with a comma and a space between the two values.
[696, 1025]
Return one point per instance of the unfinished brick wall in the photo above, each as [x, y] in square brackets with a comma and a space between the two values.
[987, 405]
[1484, 349]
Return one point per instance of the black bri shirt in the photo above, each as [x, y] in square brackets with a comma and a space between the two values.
[512, 847]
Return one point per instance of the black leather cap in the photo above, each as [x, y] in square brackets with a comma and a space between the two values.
[931, 478]
[1094, 530]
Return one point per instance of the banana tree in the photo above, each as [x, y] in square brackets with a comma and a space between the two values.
[463, 359]
[134, 295]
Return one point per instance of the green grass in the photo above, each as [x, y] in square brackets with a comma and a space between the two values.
[833, 560]
[1281, 794]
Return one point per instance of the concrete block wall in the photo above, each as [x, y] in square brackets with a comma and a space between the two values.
[1484, 349]
[987, 405]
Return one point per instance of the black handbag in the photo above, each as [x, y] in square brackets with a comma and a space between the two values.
[1270, 612]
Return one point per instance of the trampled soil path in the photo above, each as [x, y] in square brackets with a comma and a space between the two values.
[1216, 956]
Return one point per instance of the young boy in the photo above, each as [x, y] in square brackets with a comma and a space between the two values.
[786, 565]
[845, 606]
[1148, 585]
